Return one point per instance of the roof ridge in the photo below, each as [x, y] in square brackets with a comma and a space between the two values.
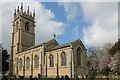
[76, 40]
[38, 45]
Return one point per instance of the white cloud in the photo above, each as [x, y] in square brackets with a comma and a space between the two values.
[71, 9]
[46, 26]
[103, 18]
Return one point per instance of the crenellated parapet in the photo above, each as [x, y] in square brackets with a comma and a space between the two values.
[20, 12]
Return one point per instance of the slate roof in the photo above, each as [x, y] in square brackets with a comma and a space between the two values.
[32, 47]
[60, 46]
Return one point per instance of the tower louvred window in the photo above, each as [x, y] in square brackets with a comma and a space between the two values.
[16, 26]
[27, 26]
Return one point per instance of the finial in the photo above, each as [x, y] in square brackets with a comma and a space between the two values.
[18, 9]
[21, 7]
[15, 11]
[34, 12]
[28, 10]
[54, 36]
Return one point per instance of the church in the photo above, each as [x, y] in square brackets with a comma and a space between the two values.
[49, 58]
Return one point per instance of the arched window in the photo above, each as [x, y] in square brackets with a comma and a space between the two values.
[20, 63]
[51, 60]
[27, 63]
[26, 26]
[36, 61]
[63, 59]
[79, 56]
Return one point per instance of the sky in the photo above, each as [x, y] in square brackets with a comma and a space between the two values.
[94, 23]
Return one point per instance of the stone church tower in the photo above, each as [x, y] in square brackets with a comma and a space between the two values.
[23, 35]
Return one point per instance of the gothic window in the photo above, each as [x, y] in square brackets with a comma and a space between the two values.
[20, 63]
[27, 63]
[63, 59]
[36, 61]
[51, 60]
[26, 26]
[79, 56]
